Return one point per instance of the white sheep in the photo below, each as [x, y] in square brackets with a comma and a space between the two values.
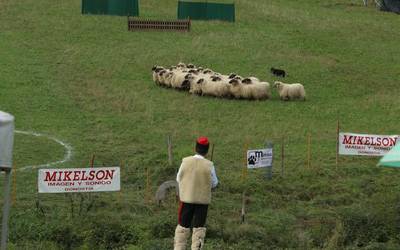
[156, 69]
[195, 84]
[160, 76]
[239, 90]
[260, 90]
[177, 79]
[255, 90]
[290, 91]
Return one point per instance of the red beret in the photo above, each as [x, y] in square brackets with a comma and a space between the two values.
[202, 141]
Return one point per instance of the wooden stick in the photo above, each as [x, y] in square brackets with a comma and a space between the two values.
[120, 173]
[92, 161]
[309, 151]
[282, 154]
[14, 185]
[244, 169]
[243, 212]
[147, 185]
[212, 151]
[169, 142]
[337, 144]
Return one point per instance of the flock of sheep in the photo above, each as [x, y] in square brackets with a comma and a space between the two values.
[204, 81]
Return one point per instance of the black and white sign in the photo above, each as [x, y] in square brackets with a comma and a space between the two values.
[259, 158]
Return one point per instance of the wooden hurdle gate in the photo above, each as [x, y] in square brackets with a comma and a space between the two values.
[176, 25]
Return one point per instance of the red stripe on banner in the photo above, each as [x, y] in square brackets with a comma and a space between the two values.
[180, 211]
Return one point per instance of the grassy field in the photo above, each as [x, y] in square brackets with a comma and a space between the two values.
[87, 81]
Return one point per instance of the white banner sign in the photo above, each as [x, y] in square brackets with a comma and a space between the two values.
[361, 144]
[72, 180]
[259, 158]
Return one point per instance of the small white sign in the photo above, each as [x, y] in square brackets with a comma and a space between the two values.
[6, 139]
[259, 158]
[363, 144]
[73, 180]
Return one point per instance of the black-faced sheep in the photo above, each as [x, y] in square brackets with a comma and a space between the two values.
[290, 91]
[178, 78]
[255, 90]
[156, 69]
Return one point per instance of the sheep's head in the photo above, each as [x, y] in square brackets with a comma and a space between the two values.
[232, 75]
[157, 68]
[277, 84]
[200, 81]
[238, 78]
[169, 75]
[216, 78]
[162, 72]
[234, 82]
[181, 65]
[194, 71]
[154, 67]
[246, 81]
[207, 71]
[185, 84]
[190, 66]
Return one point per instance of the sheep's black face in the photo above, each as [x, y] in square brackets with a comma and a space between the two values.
[185, 84]
[216, 78]
[234, 82]
[200, 81]
[246, 81]
[190, 66]
[154, 68]
[207, 71]
[232, 75]
[158, 69]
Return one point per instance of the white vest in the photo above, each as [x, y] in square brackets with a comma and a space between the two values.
[195, 180]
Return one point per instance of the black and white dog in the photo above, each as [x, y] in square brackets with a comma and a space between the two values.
[278, 72]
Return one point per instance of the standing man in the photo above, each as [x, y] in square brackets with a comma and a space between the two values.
[196, 177]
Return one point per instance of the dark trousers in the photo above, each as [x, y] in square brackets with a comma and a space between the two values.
[189, 212]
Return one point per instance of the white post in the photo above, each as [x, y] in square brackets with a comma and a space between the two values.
[6, 146]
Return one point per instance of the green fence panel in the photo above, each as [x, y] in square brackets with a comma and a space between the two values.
[206, 11]
[194, 10]
[221, 11]
[111, 7]
[94, 6]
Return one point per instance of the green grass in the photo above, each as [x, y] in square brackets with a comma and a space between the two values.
[87, 81]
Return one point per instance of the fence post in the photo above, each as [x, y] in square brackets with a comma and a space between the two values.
[282, 155]
[244, 169]
[212, 152]
[309, 151]
[147, 185]
[169, 143]
[92, 161]
[337, 144]
[269, 144]
[120, 174]
[14, 186]
[243, 211]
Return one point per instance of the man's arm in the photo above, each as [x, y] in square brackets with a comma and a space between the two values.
[214, 178]
[178, 175]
